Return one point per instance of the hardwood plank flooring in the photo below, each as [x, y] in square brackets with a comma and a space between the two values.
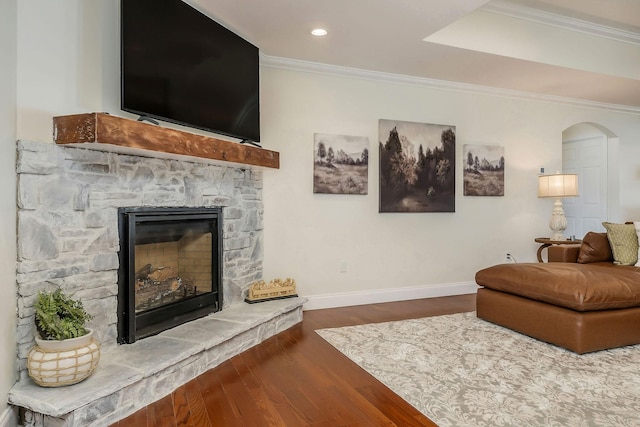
[297, 379]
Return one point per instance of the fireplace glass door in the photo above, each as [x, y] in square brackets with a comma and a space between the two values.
[170, 268]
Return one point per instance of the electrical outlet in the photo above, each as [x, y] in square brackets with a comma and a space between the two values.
[343, 266]
[510, 259]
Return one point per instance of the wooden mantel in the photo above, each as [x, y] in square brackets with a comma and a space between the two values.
[91, 129]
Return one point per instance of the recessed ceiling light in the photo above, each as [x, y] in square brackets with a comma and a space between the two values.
[319, 32]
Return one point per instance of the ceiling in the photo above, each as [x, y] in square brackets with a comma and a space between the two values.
[586, 50]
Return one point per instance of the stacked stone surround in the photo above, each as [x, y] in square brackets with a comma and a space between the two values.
[68, 237]
[68, 224]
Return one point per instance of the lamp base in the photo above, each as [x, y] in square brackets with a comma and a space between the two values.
[558, 222]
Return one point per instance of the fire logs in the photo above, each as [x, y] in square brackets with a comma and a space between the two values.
[162, 285]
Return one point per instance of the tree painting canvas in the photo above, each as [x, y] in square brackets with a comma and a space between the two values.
[341, 164]
[417, 167]
[483, 170]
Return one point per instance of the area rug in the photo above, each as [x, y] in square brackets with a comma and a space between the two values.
[459, 371]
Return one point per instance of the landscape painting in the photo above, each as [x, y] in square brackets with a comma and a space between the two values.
[483, 170]
[417, 166]
[341, 164]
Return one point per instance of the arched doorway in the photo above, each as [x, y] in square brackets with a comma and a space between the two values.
[589, 150]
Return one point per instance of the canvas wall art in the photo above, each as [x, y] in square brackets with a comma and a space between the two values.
[417, 166]
[483, 170]
[341, 164]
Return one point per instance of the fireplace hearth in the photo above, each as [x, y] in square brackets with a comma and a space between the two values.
[170, 268]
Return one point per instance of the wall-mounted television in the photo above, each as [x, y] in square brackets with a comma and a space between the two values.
[180, 66]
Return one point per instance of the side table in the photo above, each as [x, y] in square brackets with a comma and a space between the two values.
[546, 242]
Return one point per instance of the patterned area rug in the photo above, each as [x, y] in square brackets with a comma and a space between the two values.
[460, 371]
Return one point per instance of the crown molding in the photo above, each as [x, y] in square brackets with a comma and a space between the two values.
[564, 22]
[378, 76]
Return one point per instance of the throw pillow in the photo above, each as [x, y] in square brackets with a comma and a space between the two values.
[637, 225]
[595, 247]
[624, 242]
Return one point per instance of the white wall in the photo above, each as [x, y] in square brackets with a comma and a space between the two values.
[68, 62]
[7, 206]
[308, 236]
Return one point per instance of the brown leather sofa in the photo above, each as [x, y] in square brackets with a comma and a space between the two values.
[580, 300]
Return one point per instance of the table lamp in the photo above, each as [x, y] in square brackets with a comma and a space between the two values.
[558, 186]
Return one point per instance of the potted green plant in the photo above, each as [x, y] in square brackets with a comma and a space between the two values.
[65, 351]
[59, 317]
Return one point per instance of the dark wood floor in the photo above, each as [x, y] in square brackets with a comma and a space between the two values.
[298, 379]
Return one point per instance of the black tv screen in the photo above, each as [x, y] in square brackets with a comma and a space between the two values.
[180, 66]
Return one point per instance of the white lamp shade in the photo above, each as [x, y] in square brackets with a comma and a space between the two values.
[558, 185]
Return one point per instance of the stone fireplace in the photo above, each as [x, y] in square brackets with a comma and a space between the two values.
[68, 201]
[69, 204]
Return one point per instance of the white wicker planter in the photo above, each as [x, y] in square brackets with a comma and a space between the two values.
[54, 363]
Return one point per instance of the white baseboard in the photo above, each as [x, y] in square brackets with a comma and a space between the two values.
[9, 418]
[388, 295]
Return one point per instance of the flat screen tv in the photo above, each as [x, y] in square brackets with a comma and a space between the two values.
[180, 66]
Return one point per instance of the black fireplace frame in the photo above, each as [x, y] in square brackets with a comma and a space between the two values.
[132, 326]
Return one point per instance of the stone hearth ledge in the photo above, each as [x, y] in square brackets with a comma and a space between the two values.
[130, 377]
